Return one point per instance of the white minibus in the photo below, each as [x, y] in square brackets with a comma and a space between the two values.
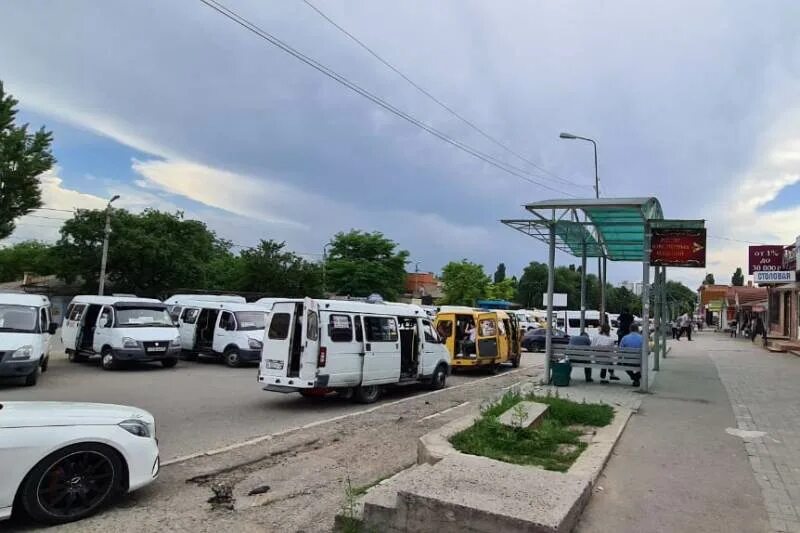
[120, 329]
[25, 331]
[354, 348]
[231, 331]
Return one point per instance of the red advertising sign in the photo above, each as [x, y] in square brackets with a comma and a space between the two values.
[678, 247]
[766, 258]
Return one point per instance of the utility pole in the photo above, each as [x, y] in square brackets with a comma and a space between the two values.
[325, 269]
[104, 258]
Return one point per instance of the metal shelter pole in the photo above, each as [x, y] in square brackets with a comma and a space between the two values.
[664, 315]
[644, 382]
[603, 293]
[583, 288]
[657, 317]
[551, 282]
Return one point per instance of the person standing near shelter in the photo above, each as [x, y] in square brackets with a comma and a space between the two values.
[624, 321]
[686, 325]
[604, 340]
[675, 334]
[633, 340]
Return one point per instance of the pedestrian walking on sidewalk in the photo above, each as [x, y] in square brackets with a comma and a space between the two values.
[624, 321]
[686, 325]
[604, 340]
[675, 334]
[633, 340]
[757, 330]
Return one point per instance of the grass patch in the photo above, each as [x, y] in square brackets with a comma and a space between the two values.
[552, 445]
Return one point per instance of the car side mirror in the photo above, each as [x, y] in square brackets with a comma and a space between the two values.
[51, 329]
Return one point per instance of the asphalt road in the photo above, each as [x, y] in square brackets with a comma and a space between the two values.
[198, 406]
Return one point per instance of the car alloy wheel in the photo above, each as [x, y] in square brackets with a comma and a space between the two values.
[108, 361]
[232, 358]
[71, 483]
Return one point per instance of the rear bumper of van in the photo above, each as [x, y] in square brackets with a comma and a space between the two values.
[17, 368]
[284, 384]
[459, 361]
[139, 354]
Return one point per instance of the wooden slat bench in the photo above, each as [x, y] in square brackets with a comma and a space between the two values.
[611, 358]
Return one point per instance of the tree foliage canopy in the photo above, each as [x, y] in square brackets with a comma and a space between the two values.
[709, 279]
[737, 280]
[270, 269]
[464, 283]
[28, 256]
[360, 263]
[23, 157]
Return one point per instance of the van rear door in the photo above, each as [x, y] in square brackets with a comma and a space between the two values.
[71, 325]
[278, 340]
[487, 335]
[187, 327]
[310, 340]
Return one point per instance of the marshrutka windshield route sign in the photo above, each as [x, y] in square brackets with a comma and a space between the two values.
[678, 247]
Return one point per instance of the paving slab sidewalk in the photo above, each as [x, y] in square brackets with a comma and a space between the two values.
[676, 469]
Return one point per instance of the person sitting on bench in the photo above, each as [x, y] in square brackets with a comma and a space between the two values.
[583, 340]
[633, 340]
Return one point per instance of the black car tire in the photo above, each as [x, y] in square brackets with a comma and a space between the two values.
[95, 472]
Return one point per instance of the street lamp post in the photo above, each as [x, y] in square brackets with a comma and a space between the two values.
[104, 258]
[601, 261]
[325, 269]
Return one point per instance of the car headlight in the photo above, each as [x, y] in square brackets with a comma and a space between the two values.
[25, 352]
[138, 428]
[255, 344]
[128, 342]
[175, 342]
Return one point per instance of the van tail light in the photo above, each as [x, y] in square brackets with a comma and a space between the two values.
[323, 356]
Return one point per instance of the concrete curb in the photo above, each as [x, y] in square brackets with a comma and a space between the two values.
[592, 461]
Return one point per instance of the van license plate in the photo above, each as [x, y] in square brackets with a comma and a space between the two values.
[274, 364]
[157, 349]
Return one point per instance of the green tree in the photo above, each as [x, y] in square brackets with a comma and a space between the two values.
[737, 279]
[504, 290]
[28, 256]
[680, 298]
[500, 273]
[464, 283]
[361, 263]
[23, 157]
[532, 285]
[273, 271]
[709, 280]
[149, 253]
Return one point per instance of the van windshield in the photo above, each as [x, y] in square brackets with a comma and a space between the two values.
[251, 320]
[143, 317]
[18, 318]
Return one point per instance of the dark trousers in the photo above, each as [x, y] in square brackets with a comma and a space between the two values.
[587, 373]
[635, 376]
[675, 333]
[688, 330]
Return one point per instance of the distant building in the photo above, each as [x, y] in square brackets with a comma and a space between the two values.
[634, 286]
[423, 284]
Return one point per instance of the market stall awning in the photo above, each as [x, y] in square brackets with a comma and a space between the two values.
[610, 227]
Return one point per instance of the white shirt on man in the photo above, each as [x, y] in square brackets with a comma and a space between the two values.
[602, 340]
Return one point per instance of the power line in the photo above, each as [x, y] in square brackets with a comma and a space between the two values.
[441, 104]
[506, 167]
[54, 209]
[49, 218]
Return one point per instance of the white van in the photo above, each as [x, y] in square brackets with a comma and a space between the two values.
[570, 321]
[232, 331]
[120, 329]
[174, 307]
[355, 348]
[25, 331]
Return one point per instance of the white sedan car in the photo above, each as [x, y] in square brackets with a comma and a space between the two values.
[61, 461]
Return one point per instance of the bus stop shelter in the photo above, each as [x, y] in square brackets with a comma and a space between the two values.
[613, 229]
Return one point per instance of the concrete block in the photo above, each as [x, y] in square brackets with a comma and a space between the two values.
[534, 413]
[435, 445]
[464, 493]
[593, 459]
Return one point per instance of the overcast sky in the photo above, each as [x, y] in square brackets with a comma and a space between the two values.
[173, 106]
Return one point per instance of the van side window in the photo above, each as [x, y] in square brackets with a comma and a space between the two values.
[380, 329]
[279, 326]
[226, 321]
[106, 316]
[76, 312]
[487, 328]
[501, 326]
[189, 315]
[359, 329]
[340, 328]
[445, 328]
[312, 326]
[430, 334]
[44, 323]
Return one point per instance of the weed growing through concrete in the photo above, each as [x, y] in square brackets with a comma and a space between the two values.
[552, 445]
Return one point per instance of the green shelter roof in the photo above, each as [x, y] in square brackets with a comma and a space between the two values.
[610, 227]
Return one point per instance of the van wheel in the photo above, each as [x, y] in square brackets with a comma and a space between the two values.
[107, 359]
[439, 378]
[169, 362]
[45, 362]
[368, 394]
[231, 358]
[32, 378]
